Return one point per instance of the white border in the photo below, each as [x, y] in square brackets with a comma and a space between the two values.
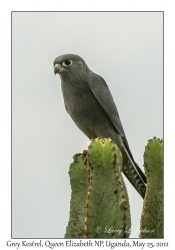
[5, 94]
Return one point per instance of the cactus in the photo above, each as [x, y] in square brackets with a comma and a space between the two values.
[99, 206]
[152, 213]
[99, 200]
[79, 185]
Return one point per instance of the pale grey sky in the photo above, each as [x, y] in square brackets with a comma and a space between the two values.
[126, 49]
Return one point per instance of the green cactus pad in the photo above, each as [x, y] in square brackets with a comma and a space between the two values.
[152, 213]
[78, 180]
[107, 211]
[99, 205]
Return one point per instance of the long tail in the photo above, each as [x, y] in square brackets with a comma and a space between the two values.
[134, 174]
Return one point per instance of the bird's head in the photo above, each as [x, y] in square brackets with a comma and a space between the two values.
[69, 64]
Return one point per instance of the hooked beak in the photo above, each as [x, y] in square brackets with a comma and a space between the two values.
[58, 69]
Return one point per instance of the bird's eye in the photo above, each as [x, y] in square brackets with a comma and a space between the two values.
[67, 62]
